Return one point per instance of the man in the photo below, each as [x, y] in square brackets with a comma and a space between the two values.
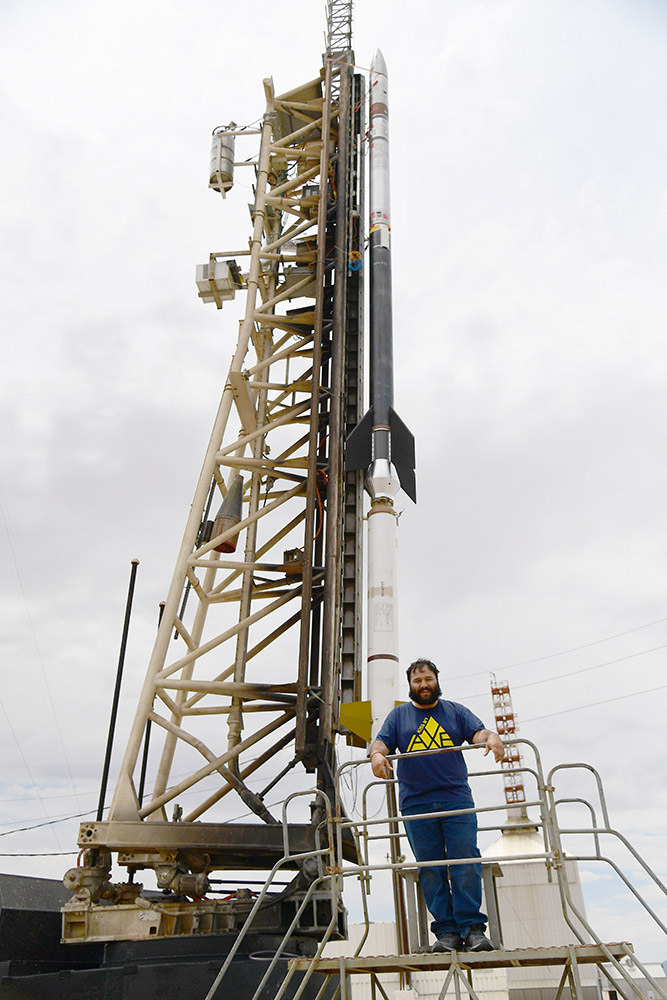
[439, 783]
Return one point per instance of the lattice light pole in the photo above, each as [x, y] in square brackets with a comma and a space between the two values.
[507, 725]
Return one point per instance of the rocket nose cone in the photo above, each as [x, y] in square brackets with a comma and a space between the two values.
[379, 65]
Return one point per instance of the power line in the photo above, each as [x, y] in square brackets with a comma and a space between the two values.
[562, 652]
[27, 766]
[596, 666]
[89, 812]
[572, 673]
[235, 819]
[39, 798]
[593, 704]
[51, 854]
[39, 654]
[69, 795]
[48, 822]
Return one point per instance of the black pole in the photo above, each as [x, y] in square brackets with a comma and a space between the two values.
[147, 737]
[144, 762]
[116, 694]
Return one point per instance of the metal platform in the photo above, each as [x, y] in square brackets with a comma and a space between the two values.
[569, 955]
[458, 967]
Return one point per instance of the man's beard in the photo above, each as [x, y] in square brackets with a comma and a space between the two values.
[425, 699]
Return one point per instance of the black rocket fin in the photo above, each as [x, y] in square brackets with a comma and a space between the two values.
[358, 447]
[403, 454]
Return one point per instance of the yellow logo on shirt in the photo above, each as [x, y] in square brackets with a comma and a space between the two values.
[430, 736]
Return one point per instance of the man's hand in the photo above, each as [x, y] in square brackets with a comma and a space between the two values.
[494, 744]
[379, 764]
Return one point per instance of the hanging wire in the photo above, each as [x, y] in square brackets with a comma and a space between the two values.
[39, 657]
[562, 652]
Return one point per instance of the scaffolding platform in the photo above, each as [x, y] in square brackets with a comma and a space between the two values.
[457, 968]
[568, 956]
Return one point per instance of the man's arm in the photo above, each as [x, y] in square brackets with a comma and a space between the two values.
[494, 744]
[379, 764]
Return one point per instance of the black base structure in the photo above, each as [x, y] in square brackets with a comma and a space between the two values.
[34, 965]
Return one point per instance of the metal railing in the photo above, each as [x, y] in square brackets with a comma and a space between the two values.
[369, 830]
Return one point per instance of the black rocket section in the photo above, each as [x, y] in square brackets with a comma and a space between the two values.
[381, 434]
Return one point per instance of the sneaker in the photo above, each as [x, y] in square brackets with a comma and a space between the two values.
[477, 940]
[448, 942]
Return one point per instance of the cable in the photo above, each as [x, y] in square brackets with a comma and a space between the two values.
[39, 798]
[596, 666]
[235, 819]
[48, 822]
[90, 812]
[562, 652]
[593, 704]
[572, 673]
[25, 762]
[52, 854]
[39, 655]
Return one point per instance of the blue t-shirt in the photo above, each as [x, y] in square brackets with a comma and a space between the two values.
[440, 777]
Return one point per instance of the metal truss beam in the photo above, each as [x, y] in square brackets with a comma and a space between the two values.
[244, 678]
[339, 26]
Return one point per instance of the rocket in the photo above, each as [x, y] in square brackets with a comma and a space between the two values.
[381, 436]
[381, 443]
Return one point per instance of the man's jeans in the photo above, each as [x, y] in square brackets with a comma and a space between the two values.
[453, 893]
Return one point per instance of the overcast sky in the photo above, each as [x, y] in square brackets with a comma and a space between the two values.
[529, 225]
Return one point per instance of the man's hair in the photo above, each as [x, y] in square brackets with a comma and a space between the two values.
[421, 663]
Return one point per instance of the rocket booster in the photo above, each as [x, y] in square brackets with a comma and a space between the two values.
[381, 436]
[381, 443]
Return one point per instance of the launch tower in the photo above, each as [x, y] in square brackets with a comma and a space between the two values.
[260, 639]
